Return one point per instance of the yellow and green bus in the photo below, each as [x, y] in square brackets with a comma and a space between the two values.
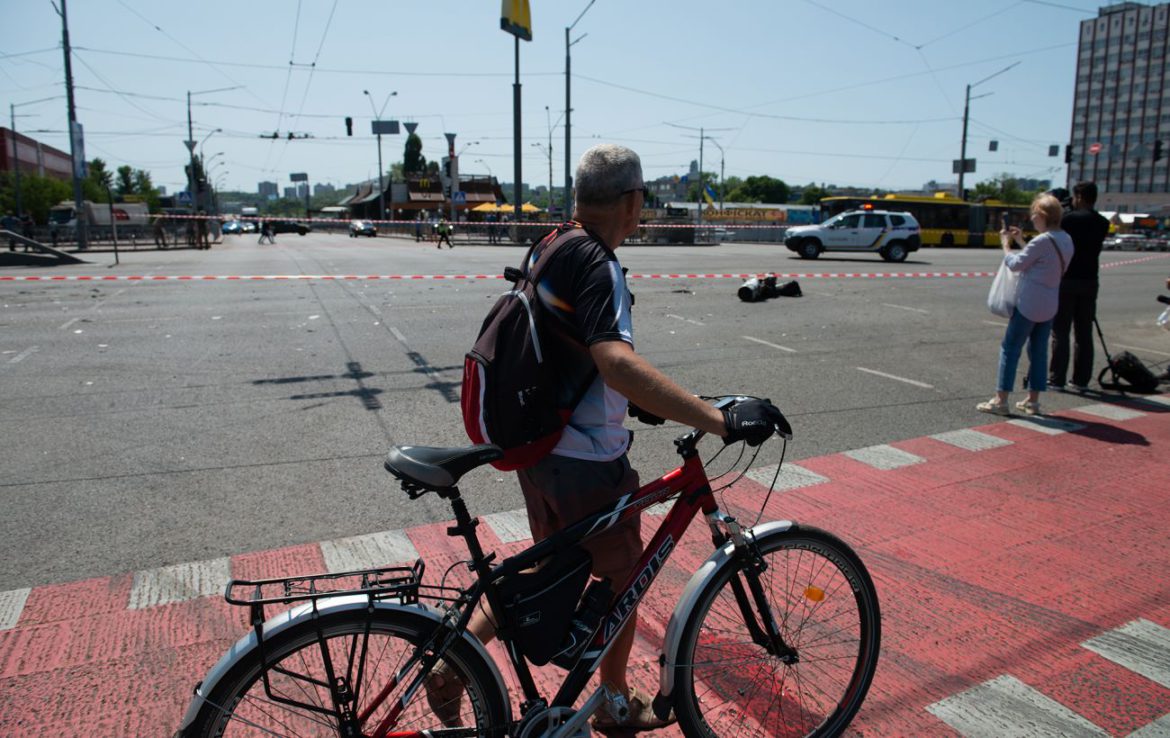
[944, 220]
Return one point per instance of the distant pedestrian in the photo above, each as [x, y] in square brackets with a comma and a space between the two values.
[266, 232]
[418, 220]
[1078, 291]
[160, 232]
[1040, 266]
[445, 230]
[201, 228]
[26, 229]
[493, 234]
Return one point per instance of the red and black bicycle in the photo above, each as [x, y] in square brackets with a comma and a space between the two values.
[776, 634]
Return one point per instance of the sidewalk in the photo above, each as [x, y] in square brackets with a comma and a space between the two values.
[1023, 569]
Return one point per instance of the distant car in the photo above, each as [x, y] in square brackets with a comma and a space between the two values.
[362, 228]
[1126, 242]
[247, 226]
[893, 235]
[231, 226]
[722, 234]
[290, 226]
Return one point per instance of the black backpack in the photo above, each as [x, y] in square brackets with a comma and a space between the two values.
[1129, 375]
[509, 384]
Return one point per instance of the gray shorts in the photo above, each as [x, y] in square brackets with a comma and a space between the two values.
[560, 491]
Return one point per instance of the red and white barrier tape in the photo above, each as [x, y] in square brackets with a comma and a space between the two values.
[409, 277]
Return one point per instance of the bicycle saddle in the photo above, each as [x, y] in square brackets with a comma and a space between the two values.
[436, 468]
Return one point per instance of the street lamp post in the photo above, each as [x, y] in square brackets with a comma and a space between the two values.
[569, 111]
[191, 139]
[966, 113]
[377, 128]
[702, 137]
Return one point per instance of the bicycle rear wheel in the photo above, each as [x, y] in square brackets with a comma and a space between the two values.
[826, 609]
[241, 707]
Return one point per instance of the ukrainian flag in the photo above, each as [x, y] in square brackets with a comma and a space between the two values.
[709, 193]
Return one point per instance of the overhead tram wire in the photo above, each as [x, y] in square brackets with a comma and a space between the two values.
[309, 82]
[287, 79]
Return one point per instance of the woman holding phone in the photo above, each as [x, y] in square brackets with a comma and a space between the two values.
[1040, 264]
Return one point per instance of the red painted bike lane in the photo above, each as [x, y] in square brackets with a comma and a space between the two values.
[1023, 570]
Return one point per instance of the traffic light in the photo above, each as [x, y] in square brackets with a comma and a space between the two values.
[1157, 150]
[348, 126]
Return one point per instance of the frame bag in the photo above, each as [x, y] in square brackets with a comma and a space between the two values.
[509, 384]
[540, 604]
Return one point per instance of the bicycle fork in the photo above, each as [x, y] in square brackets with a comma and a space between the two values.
[752, 601]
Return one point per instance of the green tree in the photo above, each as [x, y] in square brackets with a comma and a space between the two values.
[413, 162]
[124, 183]
[812, 194]
[1004, 188]
[761, 188]
[709, 178]
[37, 194]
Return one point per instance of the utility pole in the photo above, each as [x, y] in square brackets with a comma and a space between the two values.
[516, 169]
[16, 158]
[76, 140]
[569, 116]
[722, 186]
[702, 136]
[378, 127]
[966, 114]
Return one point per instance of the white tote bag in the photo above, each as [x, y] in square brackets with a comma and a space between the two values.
[1001, 300]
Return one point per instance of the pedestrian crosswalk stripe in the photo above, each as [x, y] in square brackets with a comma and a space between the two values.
[971, 440]
[884, 457]
[1049, 426]
[1110, 412]
[1160, 728]
[179, 583]
[791, 476]
[1005, 707]
[1140, 646]
[371, 551]
[11, 606]
[510, 526]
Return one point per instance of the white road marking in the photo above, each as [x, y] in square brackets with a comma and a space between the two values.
[914, 382]
[510, 526]
[398, 334]
[1156, 400]
[387, 548]
[903, 307]
[996, 323]
[179, 583]
[1142, 348]
[1110, 412]
[1160, 728]
[23, 355]
[1140, 646]
[971, 440]
[685, 320]
[1046, 425]
[68, 323]
[1005, 707]
[791, 476]
[769, 344]
[11, 606]
[884, 457]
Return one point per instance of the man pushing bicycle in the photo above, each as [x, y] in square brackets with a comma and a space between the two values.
[588, 336]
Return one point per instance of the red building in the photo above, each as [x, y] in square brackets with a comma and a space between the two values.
[33, 156]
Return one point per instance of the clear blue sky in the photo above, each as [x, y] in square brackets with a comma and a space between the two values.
[852, 92]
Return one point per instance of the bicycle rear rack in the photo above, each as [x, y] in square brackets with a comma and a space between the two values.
[397, 582]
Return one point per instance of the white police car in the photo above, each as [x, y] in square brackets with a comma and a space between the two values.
[893, 235]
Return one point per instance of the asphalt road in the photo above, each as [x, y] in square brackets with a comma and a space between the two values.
[151, 423]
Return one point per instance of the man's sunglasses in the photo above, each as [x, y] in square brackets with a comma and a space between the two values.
[643, 189]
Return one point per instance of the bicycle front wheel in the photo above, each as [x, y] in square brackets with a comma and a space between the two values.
[372, 654]
[825, 607]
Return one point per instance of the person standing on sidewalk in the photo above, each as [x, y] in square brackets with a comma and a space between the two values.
[1078, 291]
[444, 234]
[1040, 266]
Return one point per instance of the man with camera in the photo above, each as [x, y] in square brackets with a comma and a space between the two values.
[1078, 291]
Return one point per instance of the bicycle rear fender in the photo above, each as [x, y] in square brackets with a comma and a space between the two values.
[245, 647]
[719, 560]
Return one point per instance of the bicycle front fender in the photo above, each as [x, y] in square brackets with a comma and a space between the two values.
[716, 563]
[247, 645]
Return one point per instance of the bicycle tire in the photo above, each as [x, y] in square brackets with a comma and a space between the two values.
[826, 608]
[239, 707]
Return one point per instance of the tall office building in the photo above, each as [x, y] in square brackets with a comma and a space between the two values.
[1121, 110]
[268, 190]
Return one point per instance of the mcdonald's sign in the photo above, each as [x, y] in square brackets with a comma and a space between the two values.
[516, 18]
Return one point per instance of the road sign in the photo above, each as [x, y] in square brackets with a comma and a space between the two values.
[1095, 148]
[190, 146]
[969, 166]
[298, 177]
[459, 198]
[184, 198]
[388, 127]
